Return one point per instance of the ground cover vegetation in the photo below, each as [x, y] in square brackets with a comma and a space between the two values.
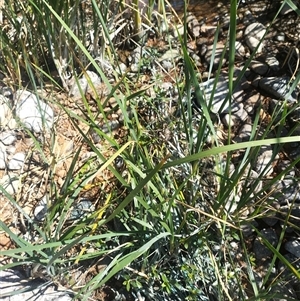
[163, 221]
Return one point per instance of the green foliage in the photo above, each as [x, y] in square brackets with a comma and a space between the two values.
[169, 233]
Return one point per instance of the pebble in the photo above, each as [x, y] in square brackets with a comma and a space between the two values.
[17, 161]
[259, 67]
[248, 229]
[3, 156]
[283, 291]
[261, 251]
[250, 103]
[193, 25]
[12, 281]
[287, 190]
[254, 33]
[77, 89]
[293, 246]
[171, 55]
[240, 50]
[234, 118]
[278, 87]
[41, 209]
[7, 138]
[219, 95]
[216, 56]
[244, 133]
[264, 161]
[236, 115]
[272, 215]
[10, 182]
[280, 37]
[79, 210]
[273, 63]
[293, 211]
[285, 273]
[178, 31]
[33, 112]
[286, 9]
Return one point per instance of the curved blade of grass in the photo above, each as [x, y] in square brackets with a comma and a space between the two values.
[127, 259]
[231, 147]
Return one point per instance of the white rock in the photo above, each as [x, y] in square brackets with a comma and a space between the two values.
[219, 96]
[17, 161]
[5, 111]
[253, 35]
[178, 30]
[171, 55]
[264, 161]
[41, 209]
[234, 118]
[90, 80]
[240, 49]
[217, 55]
[75, 91]
[273, 63]
[7, 138]
[12, 281]
[33, 112]
[10, 183]
[2, 158]
[220, 93]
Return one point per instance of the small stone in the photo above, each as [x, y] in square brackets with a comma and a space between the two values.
[122, 67]
[282, 291]
[86, 82]
[178, 31]
[259, 67]
[285, 273]
[12, 281]
[3, 156]
[286, 9]
[280, 37]
[254, 33]
[272, 217]
[193, 25]
[233, 118]
[220, 93]
[41, 209]
[240, 50]
[264, 161]
[33, 112]
[81, 209]
[286, 190]
[7, 138]
[278, 87]
[248, 18]
[261, 251]
[293, 246]
[244, 133]
[5, 111]
[208, 31]
[216, 56]
[171, 55]
[167, 65]
[248, 229]
[273, 63]
[10, 183]
[17, 161]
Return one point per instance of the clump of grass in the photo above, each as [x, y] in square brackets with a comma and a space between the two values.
[166, 228]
